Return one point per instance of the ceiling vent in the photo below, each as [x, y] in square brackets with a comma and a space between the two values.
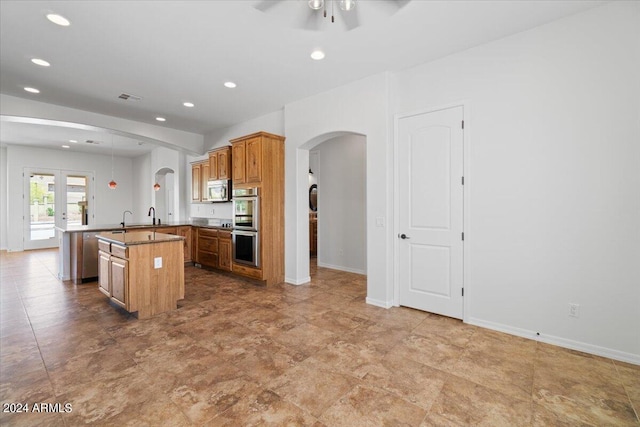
[129, 97]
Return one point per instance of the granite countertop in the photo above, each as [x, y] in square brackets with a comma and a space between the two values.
[109, 227]
[137, 237]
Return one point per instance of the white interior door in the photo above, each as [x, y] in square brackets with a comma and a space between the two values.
[54, 198]
[430, 150]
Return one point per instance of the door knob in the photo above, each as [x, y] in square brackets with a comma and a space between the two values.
[403, 236]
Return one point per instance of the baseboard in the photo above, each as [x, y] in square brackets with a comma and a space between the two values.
[559, 341]
[297, 282]
[379, 303]
[341, 268]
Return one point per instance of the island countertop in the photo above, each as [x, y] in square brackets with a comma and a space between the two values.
[137, 237]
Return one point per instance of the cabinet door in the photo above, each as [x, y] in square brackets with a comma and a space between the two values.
[223, 157]
[205, 180]
[254, 160]
[103, 273]
[186, 233]
[195, 183]
[224, 254]
[214, 172]
[238, 162]
[120, 281]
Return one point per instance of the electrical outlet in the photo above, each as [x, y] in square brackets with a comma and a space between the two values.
[157, 262]
[574, 310]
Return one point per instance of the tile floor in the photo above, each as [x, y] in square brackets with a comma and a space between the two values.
[236, 354]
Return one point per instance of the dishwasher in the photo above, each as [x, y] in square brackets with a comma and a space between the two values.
[89, 256]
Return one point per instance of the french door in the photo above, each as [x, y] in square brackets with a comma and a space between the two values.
[54, 198]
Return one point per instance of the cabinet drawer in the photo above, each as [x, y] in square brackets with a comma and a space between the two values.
[207, 232]
[208, 245]
[208, 259]
[222, 234]
[247, 271]
[104, 246]
[119, 251]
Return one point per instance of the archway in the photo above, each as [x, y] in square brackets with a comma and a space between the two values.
[339, 174]
[166, 200]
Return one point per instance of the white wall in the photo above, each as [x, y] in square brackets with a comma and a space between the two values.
[3, 198]
[341, 174]
[109, 204]
[554, 177]
[361, 108]
[141, 172]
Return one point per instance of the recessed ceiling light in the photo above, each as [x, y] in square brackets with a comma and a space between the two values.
[58, 19]
[317, 55]
[73, 140]
[65, 146]
[230, 85]
[161, 119]
[188, 104]
[31, 89]
[40, 62]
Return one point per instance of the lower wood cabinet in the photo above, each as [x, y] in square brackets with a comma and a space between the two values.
[144, 277]
[214, 248]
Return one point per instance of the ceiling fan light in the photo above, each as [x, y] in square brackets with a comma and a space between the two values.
[316, 4]
[347, 4]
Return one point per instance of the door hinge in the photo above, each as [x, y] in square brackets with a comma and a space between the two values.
[463, 124]
[462, 291]
[463, 235]
[463, 180]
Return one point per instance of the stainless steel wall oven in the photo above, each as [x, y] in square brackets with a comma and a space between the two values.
[246, 247]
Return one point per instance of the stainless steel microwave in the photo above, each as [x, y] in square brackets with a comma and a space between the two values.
[219, 190]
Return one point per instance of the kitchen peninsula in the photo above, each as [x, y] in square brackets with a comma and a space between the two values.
[141, 271]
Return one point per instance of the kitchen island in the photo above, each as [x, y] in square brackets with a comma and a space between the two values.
[141, 271]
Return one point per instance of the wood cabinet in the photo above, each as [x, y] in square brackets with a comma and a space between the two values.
[258, 161]
[313, 235]
[247, 160]
[207, 252]
[225, 250]
[220, 163]
[184, 231]
[199, 180]
[146, 276]
[196, 170]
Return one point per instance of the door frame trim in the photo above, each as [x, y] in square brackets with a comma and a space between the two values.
[466, 212]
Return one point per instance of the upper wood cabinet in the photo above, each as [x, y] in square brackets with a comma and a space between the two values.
[196, 171]
[248, 157]
[220, 163]
[199, 178]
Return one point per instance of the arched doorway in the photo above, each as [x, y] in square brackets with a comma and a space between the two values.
[337, 202]
[166, 202]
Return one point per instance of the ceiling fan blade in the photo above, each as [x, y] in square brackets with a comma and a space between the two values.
[265, 5]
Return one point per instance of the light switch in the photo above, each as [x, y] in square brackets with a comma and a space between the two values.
[379, 221]
[157, 262]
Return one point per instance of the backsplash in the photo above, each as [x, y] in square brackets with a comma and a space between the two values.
[211, 210]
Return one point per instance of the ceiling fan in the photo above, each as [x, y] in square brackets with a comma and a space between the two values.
[317, 11]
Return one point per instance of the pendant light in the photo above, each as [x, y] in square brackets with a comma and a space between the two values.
[112, 184]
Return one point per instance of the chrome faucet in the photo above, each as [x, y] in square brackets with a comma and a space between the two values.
[123, 214]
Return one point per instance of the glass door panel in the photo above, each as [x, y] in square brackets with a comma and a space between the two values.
[42, 209]
[54, 198]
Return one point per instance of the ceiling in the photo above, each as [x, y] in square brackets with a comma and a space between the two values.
[170, 52]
